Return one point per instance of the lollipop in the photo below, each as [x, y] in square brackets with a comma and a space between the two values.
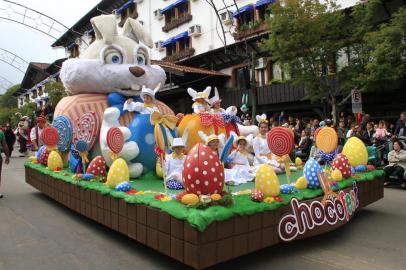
[65, 130]
[81, 147]
[50, 136]
[115, 140]
[327, 140]
[316, 132]
[87, 128]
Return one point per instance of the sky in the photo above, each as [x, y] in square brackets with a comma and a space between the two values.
[34, 46]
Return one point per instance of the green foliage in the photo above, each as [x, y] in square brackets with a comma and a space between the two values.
[7, 100]
[56, 91]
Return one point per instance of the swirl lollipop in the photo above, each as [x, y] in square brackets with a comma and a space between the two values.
[281, 142]
[115, 141]
[50, 137]
[63, 125]
[327, 140]
[87, 128]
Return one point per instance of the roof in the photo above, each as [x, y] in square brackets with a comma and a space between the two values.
[36, 72]
[175, 68]
[83, 25]
[55, 66]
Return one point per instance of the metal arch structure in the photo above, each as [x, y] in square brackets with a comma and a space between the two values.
[13, 60]
[31, 18]
[4, 83]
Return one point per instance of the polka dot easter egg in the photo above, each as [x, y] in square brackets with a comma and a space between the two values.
[301, 183]
[310, 170]
[257, 195]
[118, 173]
[267, 181]
[97, 166]
[203, 173]
[54, 161]
[356, 152]
[343, 165]
[124, 186]
[287, 189]
[43, 159]
[174, 185]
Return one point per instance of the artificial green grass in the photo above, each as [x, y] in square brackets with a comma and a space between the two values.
[199, 218]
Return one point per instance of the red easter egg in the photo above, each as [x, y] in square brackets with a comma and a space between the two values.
[257, 195]
[97, 166]
[371, 167]
[342, 164]
[203, 173]
[43, 159]
[50, 136]
[115, 140]
[280, 141]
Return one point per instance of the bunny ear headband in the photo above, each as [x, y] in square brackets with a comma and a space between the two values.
[261, 119]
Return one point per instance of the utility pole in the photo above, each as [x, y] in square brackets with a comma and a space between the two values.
[253, 88]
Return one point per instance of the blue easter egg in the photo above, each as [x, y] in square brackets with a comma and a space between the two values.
[310, 170]
[361, 168]
[175, 185]
[352, 170]
[142, 132]
[123, 186]
[287, 189]
[88, 176]
[39, 152]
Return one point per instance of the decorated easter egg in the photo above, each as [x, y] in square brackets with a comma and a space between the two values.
[301, 183]
[174, 185]
[371, 167]
[310, 170]
[43, 159]
[215, 197]
[327, 157]
[190, 199]
[343, 165]
[287, 189]
[54, 161]
[97, 166]
[142, 132]
[298, 161]
[124, 186]
[180, 195]
[327, 139]
[361, 168]
[336, 175]
[39, 152]
[356, 152]
[118, 173]
[203, 173]
[267, 181]
[194, 123]
[257, 195]
[64, 126]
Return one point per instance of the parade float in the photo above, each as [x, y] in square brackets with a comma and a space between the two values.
[106, 156]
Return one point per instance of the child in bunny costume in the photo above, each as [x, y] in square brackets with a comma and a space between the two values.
[147, 107]
[201, 100]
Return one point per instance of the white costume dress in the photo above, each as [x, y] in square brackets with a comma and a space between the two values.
[262, 153]
[241, 172]
[140, 107]
[174, 167]
[200, 107]
[217, 111]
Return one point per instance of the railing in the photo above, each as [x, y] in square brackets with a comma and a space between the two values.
[176, 22]
[254, 30]
[182, 54]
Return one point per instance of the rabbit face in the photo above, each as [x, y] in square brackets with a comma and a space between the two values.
[114, 62]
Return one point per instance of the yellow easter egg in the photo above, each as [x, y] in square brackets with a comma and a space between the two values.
[158, 169]
[301, 183]
[298, 161]
[356, 152]
[190, 199]
[215, 197]
[267, 181]
[54, 161]
[194, 124]
[336, 175]
[32, 158]
[118, 173]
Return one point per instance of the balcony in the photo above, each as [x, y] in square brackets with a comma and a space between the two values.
[250, 30]
[179, 55]
[176, 22]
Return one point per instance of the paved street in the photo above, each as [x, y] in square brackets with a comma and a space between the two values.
[38, 233]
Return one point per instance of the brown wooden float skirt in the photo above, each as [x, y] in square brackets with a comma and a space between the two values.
[220, 242]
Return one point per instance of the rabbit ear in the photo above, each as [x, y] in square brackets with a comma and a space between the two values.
[143, 88]
[207, 90]
[216, 92]
[185, 135]
[222, 138]
[169, 136]
[263, 116]
[202, 135]
[157, 88]
[258, 118]
[192, 92]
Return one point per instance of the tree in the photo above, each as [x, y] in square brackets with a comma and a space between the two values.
[7, 100]
[56, 91]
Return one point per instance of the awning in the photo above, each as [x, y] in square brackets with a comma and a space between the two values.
[242, 10]
[167, 42]
[175, 39]
[172, 6]
[125, 6]
[260, 3]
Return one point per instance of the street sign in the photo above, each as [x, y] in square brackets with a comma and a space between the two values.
[356, 100]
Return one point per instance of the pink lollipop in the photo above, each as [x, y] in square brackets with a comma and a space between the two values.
[87, 128]
[115, 140]
[280, 141]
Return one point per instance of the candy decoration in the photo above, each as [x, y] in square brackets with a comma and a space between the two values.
[64, 126]
[301, 183]
[371, 168]
[115, 140]
[343, 165]
[81, 146]
[356, 152]
[44, 157]
[87, 128]
[88, 176]
[327, 157]
[327, 139]
[310, 170]
[336, 175]
[75, 161]
[50, 136]
[190, 199]
[203, 173]
[180, 195]
[124, 186]
[97, 166]
[257, 195]
[361, 168]
[215, 197]
[316, 132]
[267, 181]
[287, 189]
[227, 148]
[174, 185]
[118, 173]
[39, 152]
[280, 141]
[54, 161]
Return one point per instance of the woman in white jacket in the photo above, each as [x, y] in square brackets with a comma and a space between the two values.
[397, 163]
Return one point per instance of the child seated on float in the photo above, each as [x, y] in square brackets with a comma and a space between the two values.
[213, 141]
[263, 154]
[147, 106]
[240, 172]
[215, 103]
[174, 164]
[201, 100]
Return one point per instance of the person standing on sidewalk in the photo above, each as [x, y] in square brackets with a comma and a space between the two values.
[4, 148]
[10, 138]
